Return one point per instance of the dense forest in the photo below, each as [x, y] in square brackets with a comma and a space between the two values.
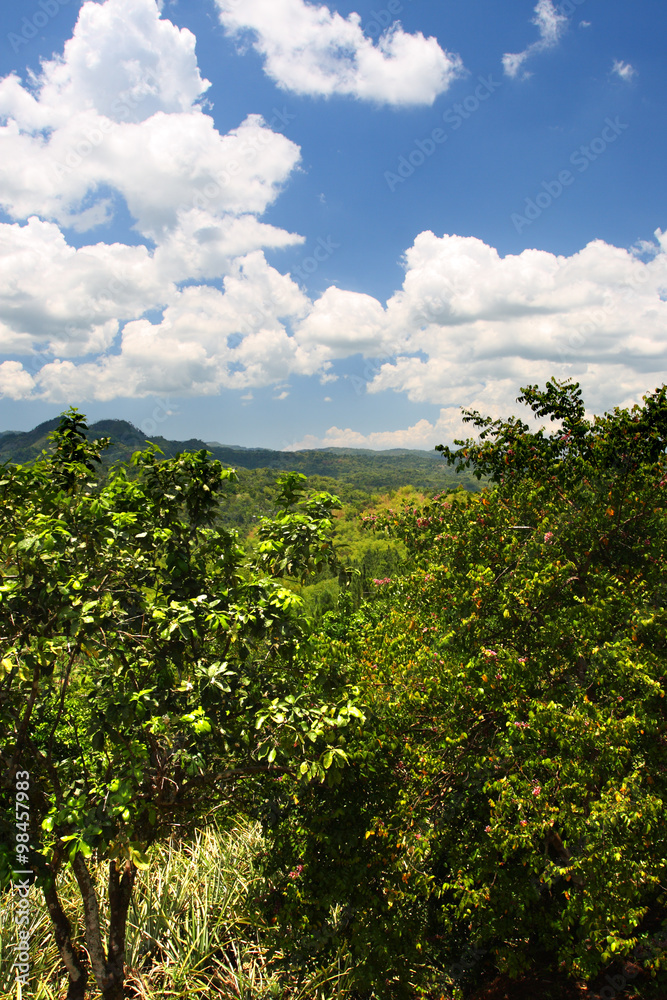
[327, 724]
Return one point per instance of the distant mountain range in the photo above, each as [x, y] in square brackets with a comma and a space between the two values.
[381, 469]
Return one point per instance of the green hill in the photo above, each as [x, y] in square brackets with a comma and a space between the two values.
[369, 471]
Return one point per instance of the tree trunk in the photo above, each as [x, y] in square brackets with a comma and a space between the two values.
[109, 968]
[115, 991]
[73, 959]
[77, 990]
[120, 894]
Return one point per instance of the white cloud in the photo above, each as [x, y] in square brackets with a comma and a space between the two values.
[163, 167]
[469, 327]
[551, 24]
[195, 308]
[336, 437]
[15, 381]
[207, 340]
[310, 50]
[124, 61]
[69, 301]
[120, 110]
[624, 70]
[116, 117]
[343, 323]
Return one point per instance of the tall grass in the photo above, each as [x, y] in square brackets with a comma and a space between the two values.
[189, 934]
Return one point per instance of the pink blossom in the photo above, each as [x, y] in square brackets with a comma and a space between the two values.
[536, 790]
[524, 822]
[547, 538]
[487, 829]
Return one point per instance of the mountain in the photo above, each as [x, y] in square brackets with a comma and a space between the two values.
[360, 467]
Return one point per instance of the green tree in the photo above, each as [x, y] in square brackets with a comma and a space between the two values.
[147, 675]
[510, 782]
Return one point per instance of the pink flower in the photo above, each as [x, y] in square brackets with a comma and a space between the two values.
[547, 538]
[524, 822]
[536, 790]
[487, 829]
[490, 653]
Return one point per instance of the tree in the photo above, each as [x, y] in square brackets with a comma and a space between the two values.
[510, 781]
[147, 673]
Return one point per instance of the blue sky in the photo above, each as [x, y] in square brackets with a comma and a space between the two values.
[286, 224]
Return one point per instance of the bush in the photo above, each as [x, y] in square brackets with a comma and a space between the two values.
[508, 788]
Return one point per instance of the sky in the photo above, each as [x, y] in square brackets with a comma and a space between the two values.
[286, 224]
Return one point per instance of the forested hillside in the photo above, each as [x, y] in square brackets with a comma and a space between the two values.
[239, 764]
[364, 470]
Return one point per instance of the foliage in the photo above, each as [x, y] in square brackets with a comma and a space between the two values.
[351, 469]
[489, 667]
[147, 674]
[508, 788]
[188, 932]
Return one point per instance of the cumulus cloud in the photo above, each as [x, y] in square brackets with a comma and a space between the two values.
[310, 50]
[116, 120]
[15, 381]
[67, 301]
[343, 323]
[207, 340]
[466, 328]
[192, 307]
[119, 110]
[550, 24]
[469, 326]
[624, 70]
